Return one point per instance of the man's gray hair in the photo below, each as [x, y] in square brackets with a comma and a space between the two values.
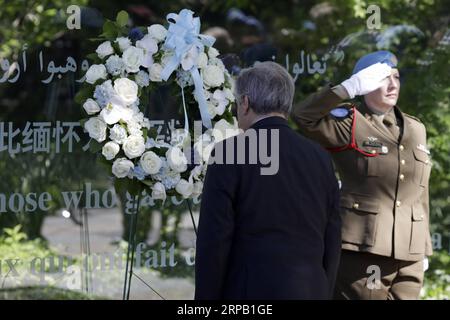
[268, 86]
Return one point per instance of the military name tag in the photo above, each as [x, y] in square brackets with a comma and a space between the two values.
[373, 144]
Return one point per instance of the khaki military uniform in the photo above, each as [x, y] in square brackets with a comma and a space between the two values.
[384, 198]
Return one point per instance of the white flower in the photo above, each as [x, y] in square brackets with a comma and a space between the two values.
[159, 191]
[124, 43]
[176, 159]
[202, 60]
[118, 134]
[198, 188]
[133, 58]
[96, 128]
[155, 72]
[203, 147]
[157, 32]
[121, 167]
[190, 58]
[110, 150]
[224, 130]
[213, 76]
[217, 62]
[221, 100]
[211, 109]
[91, 107]
[142, 78]
[126, 89]
[105, 49]
[229, 95]
[150, 47]
[185, 188]
[96, 72]
[150, 162]
[212, 52]
[115, 111]
[134, 146]
[115, 65]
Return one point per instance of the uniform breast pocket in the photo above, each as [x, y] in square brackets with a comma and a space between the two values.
[359, 219]
[422, 168]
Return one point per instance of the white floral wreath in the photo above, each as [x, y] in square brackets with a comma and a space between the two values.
[126, 70]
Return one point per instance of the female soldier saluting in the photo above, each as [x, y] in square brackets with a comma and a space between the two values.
[384, 165]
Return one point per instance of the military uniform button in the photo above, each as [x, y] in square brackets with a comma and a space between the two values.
[426, 161]
[403, 162]
[401, 147]
[421, 217]
[402, 177]
[398, 203]
[356, 205]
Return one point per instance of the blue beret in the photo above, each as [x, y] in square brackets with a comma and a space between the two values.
[375, 57]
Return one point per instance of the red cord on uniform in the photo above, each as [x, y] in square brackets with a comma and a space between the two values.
[353, 145]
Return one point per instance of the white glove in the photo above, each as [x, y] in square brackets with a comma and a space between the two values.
[367, 80]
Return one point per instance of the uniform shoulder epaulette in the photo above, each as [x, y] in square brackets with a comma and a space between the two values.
[342, 110]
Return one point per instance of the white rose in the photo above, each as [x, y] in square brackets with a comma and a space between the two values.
[91, 107]
[176, 159]
[158, 191]
[224, 130]
[96, 72]
[114, 111]
[134, 146]
[121, 167]
[157, 32]
[185, 188]
[150, 162]
[213, 76]
[229, 94]
[155, 72]
[150, 47]
[124, 43]
[203, 147]
[202, 60]
[126, 89]
[221, 100]
[110, 150]
[190, 58]
[212, 52]
[142, 78]
[118, 134]
[105, 49]
[133, 58]
[96, 128]
[198, 188]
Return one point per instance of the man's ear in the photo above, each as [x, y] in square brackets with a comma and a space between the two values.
[245, 105]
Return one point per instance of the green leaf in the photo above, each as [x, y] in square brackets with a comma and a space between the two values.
[83, 94]
[122, 18]
[95, 146]
[109, 29]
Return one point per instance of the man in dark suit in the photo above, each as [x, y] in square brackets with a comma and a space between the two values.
[267, 233]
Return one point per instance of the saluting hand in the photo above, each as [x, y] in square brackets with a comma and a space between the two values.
[366, 80]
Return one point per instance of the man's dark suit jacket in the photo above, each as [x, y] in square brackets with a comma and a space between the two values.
[269, 236]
